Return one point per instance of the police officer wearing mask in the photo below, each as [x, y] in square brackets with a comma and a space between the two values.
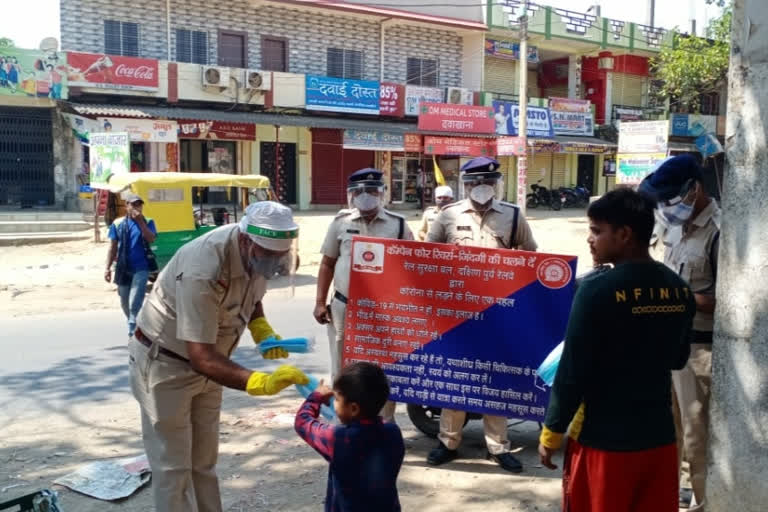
[690, 235]
[180, 352]
[443, 197]
[481, 221]
[366, 216]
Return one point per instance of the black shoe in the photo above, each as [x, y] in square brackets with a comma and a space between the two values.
[506, 461]
[686, 496]
[441, 455]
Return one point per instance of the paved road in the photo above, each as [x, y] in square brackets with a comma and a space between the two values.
[65, 359]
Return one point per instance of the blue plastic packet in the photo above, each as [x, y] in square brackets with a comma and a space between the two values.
[294, 345]
[548, 368]
[326, 410]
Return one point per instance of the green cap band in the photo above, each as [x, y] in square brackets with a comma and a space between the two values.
[271, 233]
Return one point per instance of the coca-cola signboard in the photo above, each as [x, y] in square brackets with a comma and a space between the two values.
[112, 72]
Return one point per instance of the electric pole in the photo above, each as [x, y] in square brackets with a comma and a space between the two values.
[522, 132]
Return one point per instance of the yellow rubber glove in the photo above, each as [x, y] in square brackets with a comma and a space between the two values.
[275, 353]
[261, 330]
[271, 384]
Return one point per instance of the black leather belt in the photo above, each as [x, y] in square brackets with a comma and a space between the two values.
[148, 343]
[339, 297]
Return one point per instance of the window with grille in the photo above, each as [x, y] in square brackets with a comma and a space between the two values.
[121, 38]
[422, 72]
[191, 46]
[274, 54]
[345, 63]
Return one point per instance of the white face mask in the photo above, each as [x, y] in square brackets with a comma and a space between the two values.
[366, 202]
[677, 214]
[481, 194]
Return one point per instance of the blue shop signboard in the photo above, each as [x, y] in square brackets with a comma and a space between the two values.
[373, 140]
[342, 95]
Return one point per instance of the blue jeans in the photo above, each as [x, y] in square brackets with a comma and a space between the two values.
[132, 297]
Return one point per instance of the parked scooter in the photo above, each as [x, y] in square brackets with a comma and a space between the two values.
[541, 196]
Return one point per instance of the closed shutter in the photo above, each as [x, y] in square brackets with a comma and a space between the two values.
[331, 165]
[558, 170]
[630, 90]
[500, 76]
[539, 165]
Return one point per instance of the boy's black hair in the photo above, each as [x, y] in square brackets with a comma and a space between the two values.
[364, 384]
[625, 207]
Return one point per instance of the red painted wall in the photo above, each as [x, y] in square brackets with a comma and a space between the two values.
[595, 79]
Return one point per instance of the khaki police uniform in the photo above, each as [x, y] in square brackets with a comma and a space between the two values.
[338, 245]
[430, 214]
[502, 226]
[691, 251]
[203, 295]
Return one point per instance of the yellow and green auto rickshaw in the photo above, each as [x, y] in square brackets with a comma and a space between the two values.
[186, 205]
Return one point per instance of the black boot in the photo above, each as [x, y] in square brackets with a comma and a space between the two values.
[506, 461]
[441, 455]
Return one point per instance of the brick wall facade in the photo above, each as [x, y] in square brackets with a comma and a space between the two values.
[309, 34]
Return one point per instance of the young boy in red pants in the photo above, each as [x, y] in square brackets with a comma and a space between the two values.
[365, 454]
[629, 328]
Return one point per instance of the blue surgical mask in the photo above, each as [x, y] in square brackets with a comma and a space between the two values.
[677, 214]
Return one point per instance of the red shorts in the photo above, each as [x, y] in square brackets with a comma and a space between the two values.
[602, 481]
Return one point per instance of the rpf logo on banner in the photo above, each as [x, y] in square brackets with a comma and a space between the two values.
[368, 257]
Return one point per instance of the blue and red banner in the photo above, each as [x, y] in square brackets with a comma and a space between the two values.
[458, 327]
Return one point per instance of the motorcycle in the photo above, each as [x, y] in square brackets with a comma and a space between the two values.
[583, 195]
[542, 196]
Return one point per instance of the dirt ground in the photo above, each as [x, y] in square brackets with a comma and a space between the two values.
[263, 465]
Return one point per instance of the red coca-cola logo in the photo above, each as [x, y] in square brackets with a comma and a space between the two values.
[139, 72]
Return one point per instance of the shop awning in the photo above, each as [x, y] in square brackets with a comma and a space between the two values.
[341, 123]
[568, 144]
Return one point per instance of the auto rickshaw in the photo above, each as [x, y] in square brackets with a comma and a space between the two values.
[187, 205]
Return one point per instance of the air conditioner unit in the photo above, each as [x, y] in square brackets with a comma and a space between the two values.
[458, 96]
[256, 80]
[215, 76]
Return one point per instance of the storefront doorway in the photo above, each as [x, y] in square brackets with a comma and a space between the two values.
[210, 156]
[586, 173]
[26, 157]
[284, 184]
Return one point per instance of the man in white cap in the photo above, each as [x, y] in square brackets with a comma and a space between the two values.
[180, 353]
[443, 197]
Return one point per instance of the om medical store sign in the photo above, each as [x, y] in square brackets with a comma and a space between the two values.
[112, 72]
[447, 117]
[458, 327]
